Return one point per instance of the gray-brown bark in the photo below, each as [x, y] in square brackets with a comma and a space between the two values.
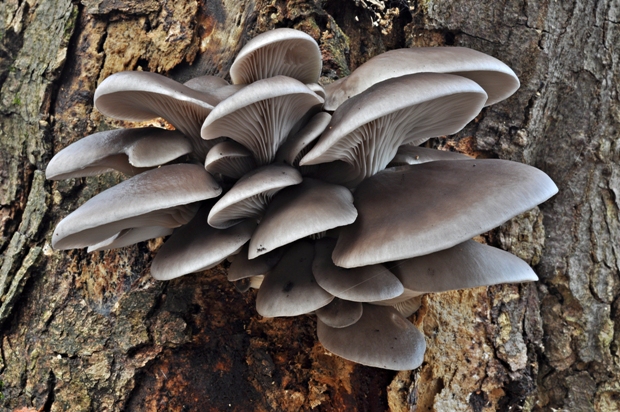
[94, 332]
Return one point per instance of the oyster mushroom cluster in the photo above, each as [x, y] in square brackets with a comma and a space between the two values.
[319, 196]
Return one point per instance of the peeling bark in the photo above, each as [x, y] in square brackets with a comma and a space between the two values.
[94, 332]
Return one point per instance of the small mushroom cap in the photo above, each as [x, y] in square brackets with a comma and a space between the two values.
[124, 150]
[340, 313]
[295, 147]
[242, 267]
[230, 159]
[382, 338]
[249, 197]
[412, 155]
[415, 210]
[302, 210]
[261, 116]
[466, 265]
[497, 79]
[129, 237]
[290, 289]
[206, 84]
[362, 284]
[409, 306]
[197, 246]
[367, 129]
[276, 52]
[165, 196]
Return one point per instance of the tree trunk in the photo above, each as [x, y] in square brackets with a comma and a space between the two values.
[86, 332]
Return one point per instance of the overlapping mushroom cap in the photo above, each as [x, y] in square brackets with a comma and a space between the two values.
[342, 215]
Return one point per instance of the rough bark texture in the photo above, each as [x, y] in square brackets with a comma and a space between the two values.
[94, 332]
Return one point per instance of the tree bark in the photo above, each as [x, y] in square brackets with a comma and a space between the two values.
[93, 332]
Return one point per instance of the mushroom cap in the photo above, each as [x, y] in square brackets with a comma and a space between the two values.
[242, 267]
[141, 96]
[249, 197]
[363, 284]
[206, 84]
[408, 307]
[131, 236]
[165, 196]
[340, 313]
[261, 115]
[197, 246]
[125, 150]
[382, 338]
[296, 146]
[366, 130]
[466, 265]
[290, 289]
[302, 210]
[415, 210]
[412, 155]
[283, 51]
[497, 79]
[230, 159]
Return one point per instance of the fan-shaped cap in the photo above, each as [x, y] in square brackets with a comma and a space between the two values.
[141, 96]
[229, 159]
[412, 155]
[466, 265]
[165, 196]
[276, 52]
[295, 147]
[497, 79]
[261, 116]
[415, 210]
[290, 289]
[302, 210]
[363, 284]
[197, 246]
[242, 267]
[125, 150]
[382, 338]
[340, 313]
[131, 236]
[367, 129]
[249, 197]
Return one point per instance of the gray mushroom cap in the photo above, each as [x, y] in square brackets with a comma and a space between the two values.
[249, 197]
[296, 146]
[415, 210]
[302, 210]
[363, 284]
[166, 196]
[242, 267]
[206, 83]
[261, 116]
[466, 265]
[276, 52]
[340, 313]
[367, 129]
[229, 159]
[413, 155]
[131, 236]
[197, 246]
[290, 289]
[382, 338]
[125, 150]
[141, 96]
[497, 79]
